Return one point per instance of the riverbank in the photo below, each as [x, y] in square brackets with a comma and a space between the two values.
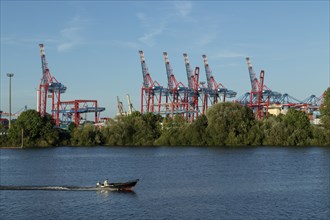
[180, 146]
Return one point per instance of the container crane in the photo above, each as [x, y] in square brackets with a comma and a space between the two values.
[174, 86]
[49, 84]
[196, 90]
[287, 100]
[260, 94]
[256, 94]
[267, 92]
[312, 103]
[71, 111]
[253, 77]
[215, 89]
[176, 90]
[151, 91]
[120, 106]
[189, 71]
[130, 105]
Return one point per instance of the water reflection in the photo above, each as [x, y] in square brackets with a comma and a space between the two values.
[104, 193]
[107, 193]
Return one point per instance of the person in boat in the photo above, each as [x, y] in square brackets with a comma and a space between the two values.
[106, 183]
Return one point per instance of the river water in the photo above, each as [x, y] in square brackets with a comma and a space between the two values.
[175, 183]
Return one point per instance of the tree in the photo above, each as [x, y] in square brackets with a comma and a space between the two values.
[291, 129]
[135, 129]
[3, 136]
[325, 116]
[153, 125]
[298, 128]
[88, 135]
[172, 132]
[320, 136]
[195, 132]
[228, 124]
[113, 132]
[274, 131]
[255, 135]
[37, 130]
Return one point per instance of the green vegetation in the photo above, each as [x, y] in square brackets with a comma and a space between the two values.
[292, 129]
[32, 130]
[325, 116]
[225, 124]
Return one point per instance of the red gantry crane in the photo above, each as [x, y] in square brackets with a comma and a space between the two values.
[50, 87]
[151, 91]
[177, 93]
[49, 84]
[215, 90]
[71, 111]
[195, 92]
[260, 94]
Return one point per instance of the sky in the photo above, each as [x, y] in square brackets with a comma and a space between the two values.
[92, 47]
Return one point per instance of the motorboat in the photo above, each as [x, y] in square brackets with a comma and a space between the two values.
[120, 186]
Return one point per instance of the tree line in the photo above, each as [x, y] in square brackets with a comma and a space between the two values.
[224, 124]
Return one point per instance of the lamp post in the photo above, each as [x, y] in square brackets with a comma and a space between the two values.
[10, 75]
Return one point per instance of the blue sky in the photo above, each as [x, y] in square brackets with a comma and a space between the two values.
[92, 46]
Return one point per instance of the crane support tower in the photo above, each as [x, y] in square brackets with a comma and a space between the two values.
[49, 84]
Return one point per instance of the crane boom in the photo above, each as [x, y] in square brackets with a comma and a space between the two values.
[130, 105]
[145, 71]
[169, 71]
[46, 77]
[120, 107]
[49, 84]
[208, 72]
[253, 78]
[188, 70]
[44, 82]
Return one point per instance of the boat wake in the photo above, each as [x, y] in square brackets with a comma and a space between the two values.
[121, 186]
[57, 188]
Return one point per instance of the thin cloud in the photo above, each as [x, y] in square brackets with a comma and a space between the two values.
[64, 47]
[183, 8]
[207, 39]
[141, 16]
[71, 35]
[23, 40]
[152, 29]
[149, 38]
[127, 44]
